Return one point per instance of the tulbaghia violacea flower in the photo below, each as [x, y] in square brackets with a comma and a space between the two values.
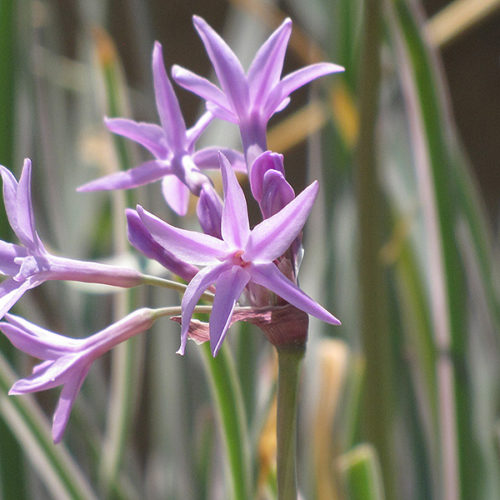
[249, 99]
[240, 257]
[173, 146]
[66, 360]
[29, 264]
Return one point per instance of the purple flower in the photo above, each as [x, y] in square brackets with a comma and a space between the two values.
[176, 162]
[29, 264]
[249, 99]
[241, 257]
[66, 360]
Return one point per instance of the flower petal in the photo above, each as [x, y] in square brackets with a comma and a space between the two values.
[65, 404]
[190, 246]
[176, 194]
[208, 158]
[235, 226]
[146, 173]
[227, 67]
[26, 231]
[200, 86]
[295, 80]
[194, 290]
[141, 239]
[197, 129]
[229, 286]
[8, 253]
[11, 291]
[51, 375]
[36, 341]
[269, 276]
[19, 208]
[265, 71]
[149, 135]
[271, 238]
[167, 104]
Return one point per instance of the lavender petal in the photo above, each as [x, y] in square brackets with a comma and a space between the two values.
[149, 135]
[269, 276]
[229, 286]
[190, 246]
[235, 226]
[271, 238]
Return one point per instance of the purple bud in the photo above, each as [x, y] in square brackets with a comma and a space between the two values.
[141, 239]
[276, 193]
[266, 161]
[209, 211]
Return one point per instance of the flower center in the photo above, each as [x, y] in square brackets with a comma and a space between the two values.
[237, 259]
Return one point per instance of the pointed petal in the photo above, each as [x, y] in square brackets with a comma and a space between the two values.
[19, 208]
[197, 129]
[11, 291]
[265, 70]
[65, 404]
[8, 253]
[41, 344]
[295, 80]
[148, 172]
[25, 217]
[141, 239]
[190, 246]
[195, 289]
[208, 158]
[271, 238]
[167, 104]
[47, 377]
[200, 86]
[10, 196]
[149, 135]
[269, 276]
[176, 194]
[235, 226]
[229, 287]
[226, 65]
[264, 162]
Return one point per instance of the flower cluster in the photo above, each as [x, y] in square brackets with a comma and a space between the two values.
[242, 266]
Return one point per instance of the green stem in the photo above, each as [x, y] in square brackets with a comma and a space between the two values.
[173, 285]
[289, 358]
[227, 395]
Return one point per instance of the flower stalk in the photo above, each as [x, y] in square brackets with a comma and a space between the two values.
[289, 359]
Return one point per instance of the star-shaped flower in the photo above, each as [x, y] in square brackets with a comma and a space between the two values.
[240, 257]
[29, 264]
[173, 146]
[249, 99]
[66, 360]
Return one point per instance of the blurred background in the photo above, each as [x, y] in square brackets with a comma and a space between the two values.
[402, 400]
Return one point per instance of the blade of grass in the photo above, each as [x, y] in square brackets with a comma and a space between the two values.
[12, 484]
[55, 467]
[229, 400]
[460, 457]
[361, 471]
